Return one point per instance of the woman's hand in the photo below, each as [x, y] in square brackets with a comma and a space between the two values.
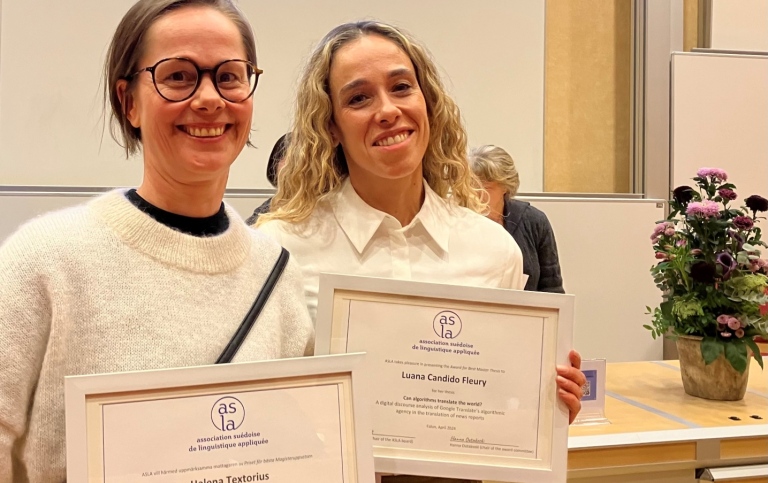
[570, 379]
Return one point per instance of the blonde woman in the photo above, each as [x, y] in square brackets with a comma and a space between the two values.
[528, 226]
[376, 148]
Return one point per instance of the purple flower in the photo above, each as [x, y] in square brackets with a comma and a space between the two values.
[669, 232]
[682, 194]
[661, 256]
[681, 242]
[743, 223]
[704, 208]
[727, 194]
[756, 203]
[715, 173]
[733, 323]
[725, 260]
[739, 333]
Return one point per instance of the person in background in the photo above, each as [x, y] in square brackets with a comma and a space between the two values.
[528, 225]
[274, 164]
[376, 180]
[149, 278]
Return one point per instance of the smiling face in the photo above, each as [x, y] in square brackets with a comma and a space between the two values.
[195, 140]
[379, 112]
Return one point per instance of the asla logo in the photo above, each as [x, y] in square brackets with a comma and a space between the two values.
[227, 414]
[447, 325]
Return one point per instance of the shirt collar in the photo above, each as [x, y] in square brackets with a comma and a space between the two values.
[360, 221]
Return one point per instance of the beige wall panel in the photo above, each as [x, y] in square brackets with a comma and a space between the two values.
[587, 96]
[740, 25]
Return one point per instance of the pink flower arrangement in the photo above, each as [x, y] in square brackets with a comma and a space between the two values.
[715, 283]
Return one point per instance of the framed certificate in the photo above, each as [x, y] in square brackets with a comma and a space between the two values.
[462, 380]
[279, 421]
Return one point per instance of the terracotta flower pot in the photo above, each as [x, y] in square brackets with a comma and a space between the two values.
[718, 380]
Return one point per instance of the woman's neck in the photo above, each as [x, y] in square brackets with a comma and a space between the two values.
[401, 198]
[193, 200]
[496, 210]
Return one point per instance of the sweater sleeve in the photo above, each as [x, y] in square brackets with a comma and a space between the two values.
[25, 319]
[550, 279]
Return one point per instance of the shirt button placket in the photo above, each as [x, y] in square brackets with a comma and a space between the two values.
[401, 261]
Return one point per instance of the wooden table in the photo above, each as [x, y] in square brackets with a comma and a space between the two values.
[660, 434]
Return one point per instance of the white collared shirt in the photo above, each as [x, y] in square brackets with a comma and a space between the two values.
[443, 243]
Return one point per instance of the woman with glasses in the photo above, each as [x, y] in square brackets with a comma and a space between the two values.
[155, 277]
[376, 180]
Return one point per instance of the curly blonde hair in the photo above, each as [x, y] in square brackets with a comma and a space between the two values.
[314, 168]
[493, 164]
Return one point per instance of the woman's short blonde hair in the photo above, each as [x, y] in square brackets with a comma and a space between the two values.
[493, 164]
[315, 168]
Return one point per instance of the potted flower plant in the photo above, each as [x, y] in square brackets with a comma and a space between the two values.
[714, 284]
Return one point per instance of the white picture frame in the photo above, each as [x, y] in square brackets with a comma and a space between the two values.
[89, 397]
[334, 324]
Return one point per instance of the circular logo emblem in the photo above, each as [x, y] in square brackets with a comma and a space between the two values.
[227, 414]
[447, 325]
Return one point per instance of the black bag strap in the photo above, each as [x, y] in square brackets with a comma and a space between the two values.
[250, 318]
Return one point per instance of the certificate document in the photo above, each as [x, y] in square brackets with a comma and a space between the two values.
[459, 387]
[282, 429]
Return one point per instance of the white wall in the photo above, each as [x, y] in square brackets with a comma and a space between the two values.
[492, 54]
[605, 256]
[720, 118]
[740, 25]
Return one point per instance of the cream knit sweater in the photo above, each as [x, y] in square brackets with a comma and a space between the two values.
[105, 288]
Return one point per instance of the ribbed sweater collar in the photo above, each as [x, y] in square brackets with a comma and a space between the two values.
[214, 254]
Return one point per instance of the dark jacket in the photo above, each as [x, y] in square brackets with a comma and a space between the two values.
[533, 233]
[264, 208]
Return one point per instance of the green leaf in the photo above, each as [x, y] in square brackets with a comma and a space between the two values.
[736, 353]
[666, 308]
[711, 349]
[755, 350]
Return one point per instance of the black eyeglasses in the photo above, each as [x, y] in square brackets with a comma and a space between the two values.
[176, 79]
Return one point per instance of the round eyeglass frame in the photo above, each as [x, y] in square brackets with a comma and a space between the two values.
[151, 69]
